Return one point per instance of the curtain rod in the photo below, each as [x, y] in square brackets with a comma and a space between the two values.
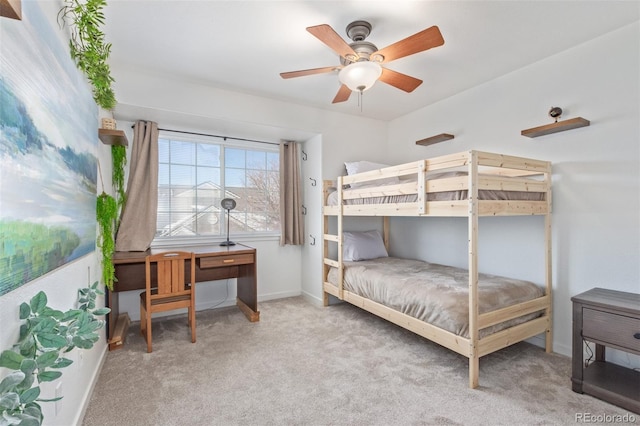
[215, 136]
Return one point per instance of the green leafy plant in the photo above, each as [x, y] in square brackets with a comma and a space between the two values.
[88, 47]
[45, 336]
[119, 159]
[106, 214]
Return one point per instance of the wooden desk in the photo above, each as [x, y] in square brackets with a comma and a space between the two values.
[212, 263]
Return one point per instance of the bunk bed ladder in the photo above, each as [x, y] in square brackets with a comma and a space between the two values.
[335, 238]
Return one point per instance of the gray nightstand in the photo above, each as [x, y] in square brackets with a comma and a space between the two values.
[607, 318]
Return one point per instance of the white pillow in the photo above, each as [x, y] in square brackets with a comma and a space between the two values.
[362, 246]
[366, 166]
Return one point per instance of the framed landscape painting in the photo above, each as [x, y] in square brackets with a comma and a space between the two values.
[48, 142]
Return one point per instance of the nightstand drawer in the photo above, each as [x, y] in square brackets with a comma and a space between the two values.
[228, 260]
[611, 328]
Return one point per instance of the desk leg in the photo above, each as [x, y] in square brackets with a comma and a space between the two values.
[117, 323]
[247, 290]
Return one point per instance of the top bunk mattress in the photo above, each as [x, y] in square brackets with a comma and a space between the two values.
[483, 194]
[436, 294]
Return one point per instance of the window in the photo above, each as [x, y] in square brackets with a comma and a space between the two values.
[195, 175]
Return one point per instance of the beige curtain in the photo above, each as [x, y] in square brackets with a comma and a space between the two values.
[139, 214]
[291, 220]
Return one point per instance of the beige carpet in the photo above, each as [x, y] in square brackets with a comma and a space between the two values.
[305, 365]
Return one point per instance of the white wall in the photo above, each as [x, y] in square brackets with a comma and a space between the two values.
[596, 171]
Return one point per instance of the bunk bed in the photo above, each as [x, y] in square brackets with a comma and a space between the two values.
[470, 184]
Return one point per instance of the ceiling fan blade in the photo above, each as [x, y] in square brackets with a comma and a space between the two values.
[328, 36]
[399, 80]
[419, 42]
[302, 73]
[343, 94]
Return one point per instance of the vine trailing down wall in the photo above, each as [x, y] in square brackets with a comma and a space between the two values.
[88, 47]
[90, 52]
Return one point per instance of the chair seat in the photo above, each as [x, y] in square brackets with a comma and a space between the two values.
[171, 302]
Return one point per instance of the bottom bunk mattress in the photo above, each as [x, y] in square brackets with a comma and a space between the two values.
[435, 294]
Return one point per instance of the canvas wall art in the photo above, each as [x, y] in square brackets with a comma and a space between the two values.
[48, 143]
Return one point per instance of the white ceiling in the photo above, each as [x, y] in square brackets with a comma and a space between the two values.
[244, 45]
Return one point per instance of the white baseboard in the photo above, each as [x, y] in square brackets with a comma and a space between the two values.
[84, 405]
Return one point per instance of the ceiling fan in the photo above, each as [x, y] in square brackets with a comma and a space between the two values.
[361, 61]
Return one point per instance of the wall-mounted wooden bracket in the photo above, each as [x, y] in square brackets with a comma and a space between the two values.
[435, 139]
[11, 9]
[556, 127]
[113, 137]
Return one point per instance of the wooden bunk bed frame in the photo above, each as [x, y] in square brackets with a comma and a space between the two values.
[484, 171]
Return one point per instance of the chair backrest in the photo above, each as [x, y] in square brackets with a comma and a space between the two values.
[170, 273]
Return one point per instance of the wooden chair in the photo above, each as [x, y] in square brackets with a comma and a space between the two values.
[169, 291]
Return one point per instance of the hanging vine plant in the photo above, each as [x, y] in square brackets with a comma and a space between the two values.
[88, 47]
[106, 212]
[119, 159]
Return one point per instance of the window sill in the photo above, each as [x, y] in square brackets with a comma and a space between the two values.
[212, 240]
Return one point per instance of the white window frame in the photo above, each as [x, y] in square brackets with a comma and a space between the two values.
[228, 142]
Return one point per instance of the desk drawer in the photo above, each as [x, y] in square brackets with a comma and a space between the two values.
[611, 328]
[228, 260]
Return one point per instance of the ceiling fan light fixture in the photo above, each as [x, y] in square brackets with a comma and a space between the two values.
[360, 76]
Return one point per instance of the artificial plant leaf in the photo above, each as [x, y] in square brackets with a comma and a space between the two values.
[10, 359]
[62, 363]
[47, 311]
[11, 381]
[34, 410]
[27, 420]
[83, 342]
[101, 311]
[26, 383]
[9, 401]
[49, 376]
[89, 327]
[28, 366]
[48, 340]
[47, 359]
[45, 325]
[24, 331]
[28, 347]
[38, 302]
[25, 311]
[30, 395]
[71, 314]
